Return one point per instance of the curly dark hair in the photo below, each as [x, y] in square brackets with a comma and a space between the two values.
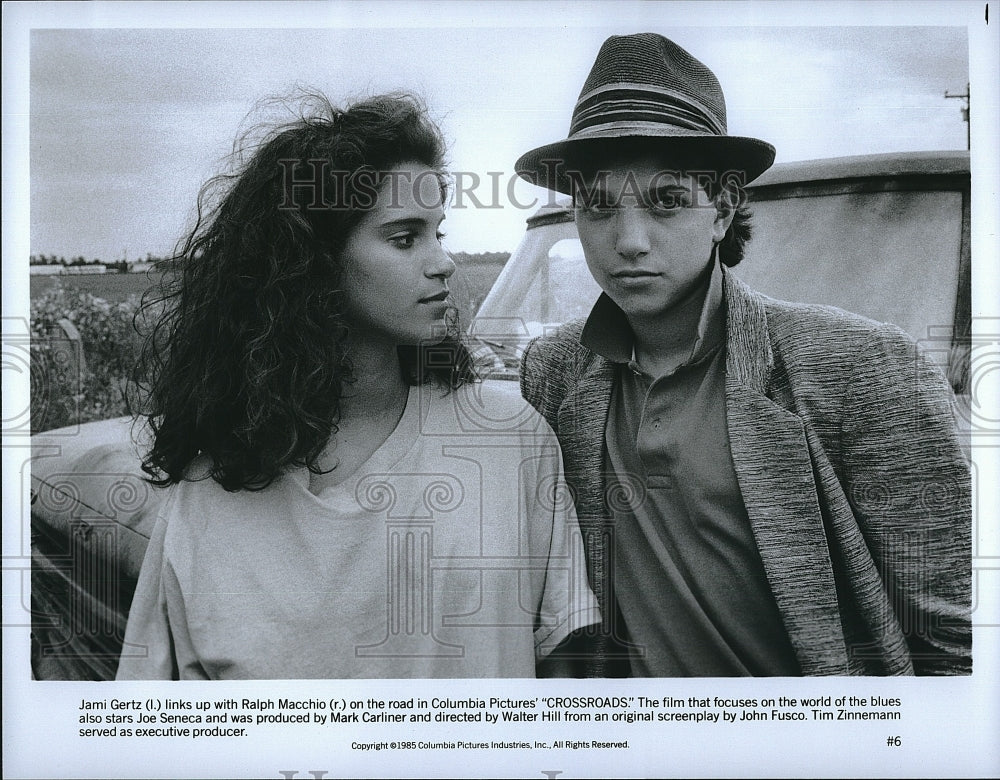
[246, 359]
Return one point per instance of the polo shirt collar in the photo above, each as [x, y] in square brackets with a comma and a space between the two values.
[608, 333]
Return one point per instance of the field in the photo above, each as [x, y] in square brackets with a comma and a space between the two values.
[114, 288]
[470, 283]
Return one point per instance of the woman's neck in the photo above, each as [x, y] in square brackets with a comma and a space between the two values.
[378, 387]
[370, 409]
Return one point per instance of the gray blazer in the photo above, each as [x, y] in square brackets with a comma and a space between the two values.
[847, 457]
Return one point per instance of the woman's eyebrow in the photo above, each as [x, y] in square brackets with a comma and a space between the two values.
[409, 222]
[403, 222]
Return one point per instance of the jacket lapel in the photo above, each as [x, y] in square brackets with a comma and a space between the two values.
[775, 474]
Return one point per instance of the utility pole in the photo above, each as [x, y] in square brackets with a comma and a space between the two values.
[965, 97]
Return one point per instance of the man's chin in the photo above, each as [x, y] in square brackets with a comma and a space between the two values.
[643, 303]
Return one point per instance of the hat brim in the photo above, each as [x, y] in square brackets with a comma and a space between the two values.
[553, 166]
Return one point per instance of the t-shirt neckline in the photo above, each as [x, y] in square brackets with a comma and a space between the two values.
[396, 446]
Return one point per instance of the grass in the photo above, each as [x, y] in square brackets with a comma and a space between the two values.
[114, 288]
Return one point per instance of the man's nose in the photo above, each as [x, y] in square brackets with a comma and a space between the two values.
[632, 240]
[439, 264]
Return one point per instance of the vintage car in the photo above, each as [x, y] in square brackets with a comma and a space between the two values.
[886, 236]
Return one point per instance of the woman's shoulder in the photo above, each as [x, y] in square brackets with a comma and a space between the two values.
[491, 406]
[198, 500]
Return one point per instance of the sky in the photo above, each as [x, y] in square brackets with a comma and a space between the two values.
[126, 123]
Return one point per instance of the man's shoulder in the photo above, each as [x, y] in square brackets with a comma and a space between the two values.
[820, 314]
[812, 327]
[558, 346]
[814, 343]
[551, 364]
[565, 337]
[791, 322]
[818, 345]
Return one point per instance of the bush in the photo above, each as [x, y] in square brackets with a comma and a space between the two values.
[60, 393]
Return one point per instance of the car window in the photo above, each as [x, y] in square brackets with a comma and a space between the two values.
[545, 283]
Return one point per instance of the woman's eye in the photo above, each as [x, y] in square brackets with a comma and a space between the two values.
[404, 241]
[441, 236]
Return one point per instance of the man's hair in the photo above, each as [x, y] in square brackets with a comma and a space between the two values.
[733, 245]
[246, 359]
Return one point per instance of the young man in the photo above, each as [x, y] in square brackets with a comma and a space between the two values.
[756, 480]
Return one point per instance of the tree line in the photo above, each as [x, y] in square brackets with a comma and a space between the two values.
[123, 266]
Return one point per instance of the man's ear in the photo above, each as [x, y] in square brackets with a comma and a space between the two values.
[725, 210]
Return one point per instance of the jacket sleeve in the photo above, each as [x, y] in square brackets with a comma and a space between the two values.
[531, 372]
[566, 603]
[543, 380]
[909, 483]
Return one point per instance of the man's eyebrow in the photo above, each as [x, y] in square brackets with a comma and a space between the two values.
[660, 185]
[603, 186]
[671, 190]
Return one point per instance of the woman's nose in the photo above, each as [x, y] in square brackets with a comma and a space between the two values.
[439, 265]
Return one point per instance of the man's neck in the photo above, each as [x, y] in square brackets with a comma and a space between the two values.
[665, 341]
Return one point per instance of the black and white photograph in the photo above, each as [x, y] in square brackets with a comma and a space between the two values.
[501, 389]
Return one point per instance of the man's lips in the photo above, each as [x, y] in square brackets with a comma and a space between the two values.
[435, 298]
[634, 273]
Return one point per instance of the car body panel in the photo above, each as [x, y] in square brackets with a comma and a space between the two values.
[92, 514]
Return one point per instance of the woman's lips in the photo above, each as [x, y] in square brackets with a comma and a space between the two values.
[436, 298]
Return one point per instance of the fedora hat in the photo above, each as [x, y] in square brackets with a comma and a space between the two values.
[647, 95]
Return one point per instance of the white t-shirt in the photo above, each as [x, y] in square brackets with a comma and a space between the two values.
[453, 551]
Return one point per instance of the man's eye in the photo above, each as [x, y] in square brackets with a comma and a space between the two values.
[668, 201]
[596, 208]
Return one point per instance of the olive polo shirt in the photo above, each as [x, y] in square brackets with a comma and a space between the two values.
[688, 576]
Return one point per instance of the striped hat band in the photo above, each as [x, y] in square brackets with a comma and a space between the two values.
[646, 95]
[638, 103]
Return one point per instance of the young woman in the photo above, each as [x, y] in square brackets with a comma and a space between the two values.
[344, 500]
